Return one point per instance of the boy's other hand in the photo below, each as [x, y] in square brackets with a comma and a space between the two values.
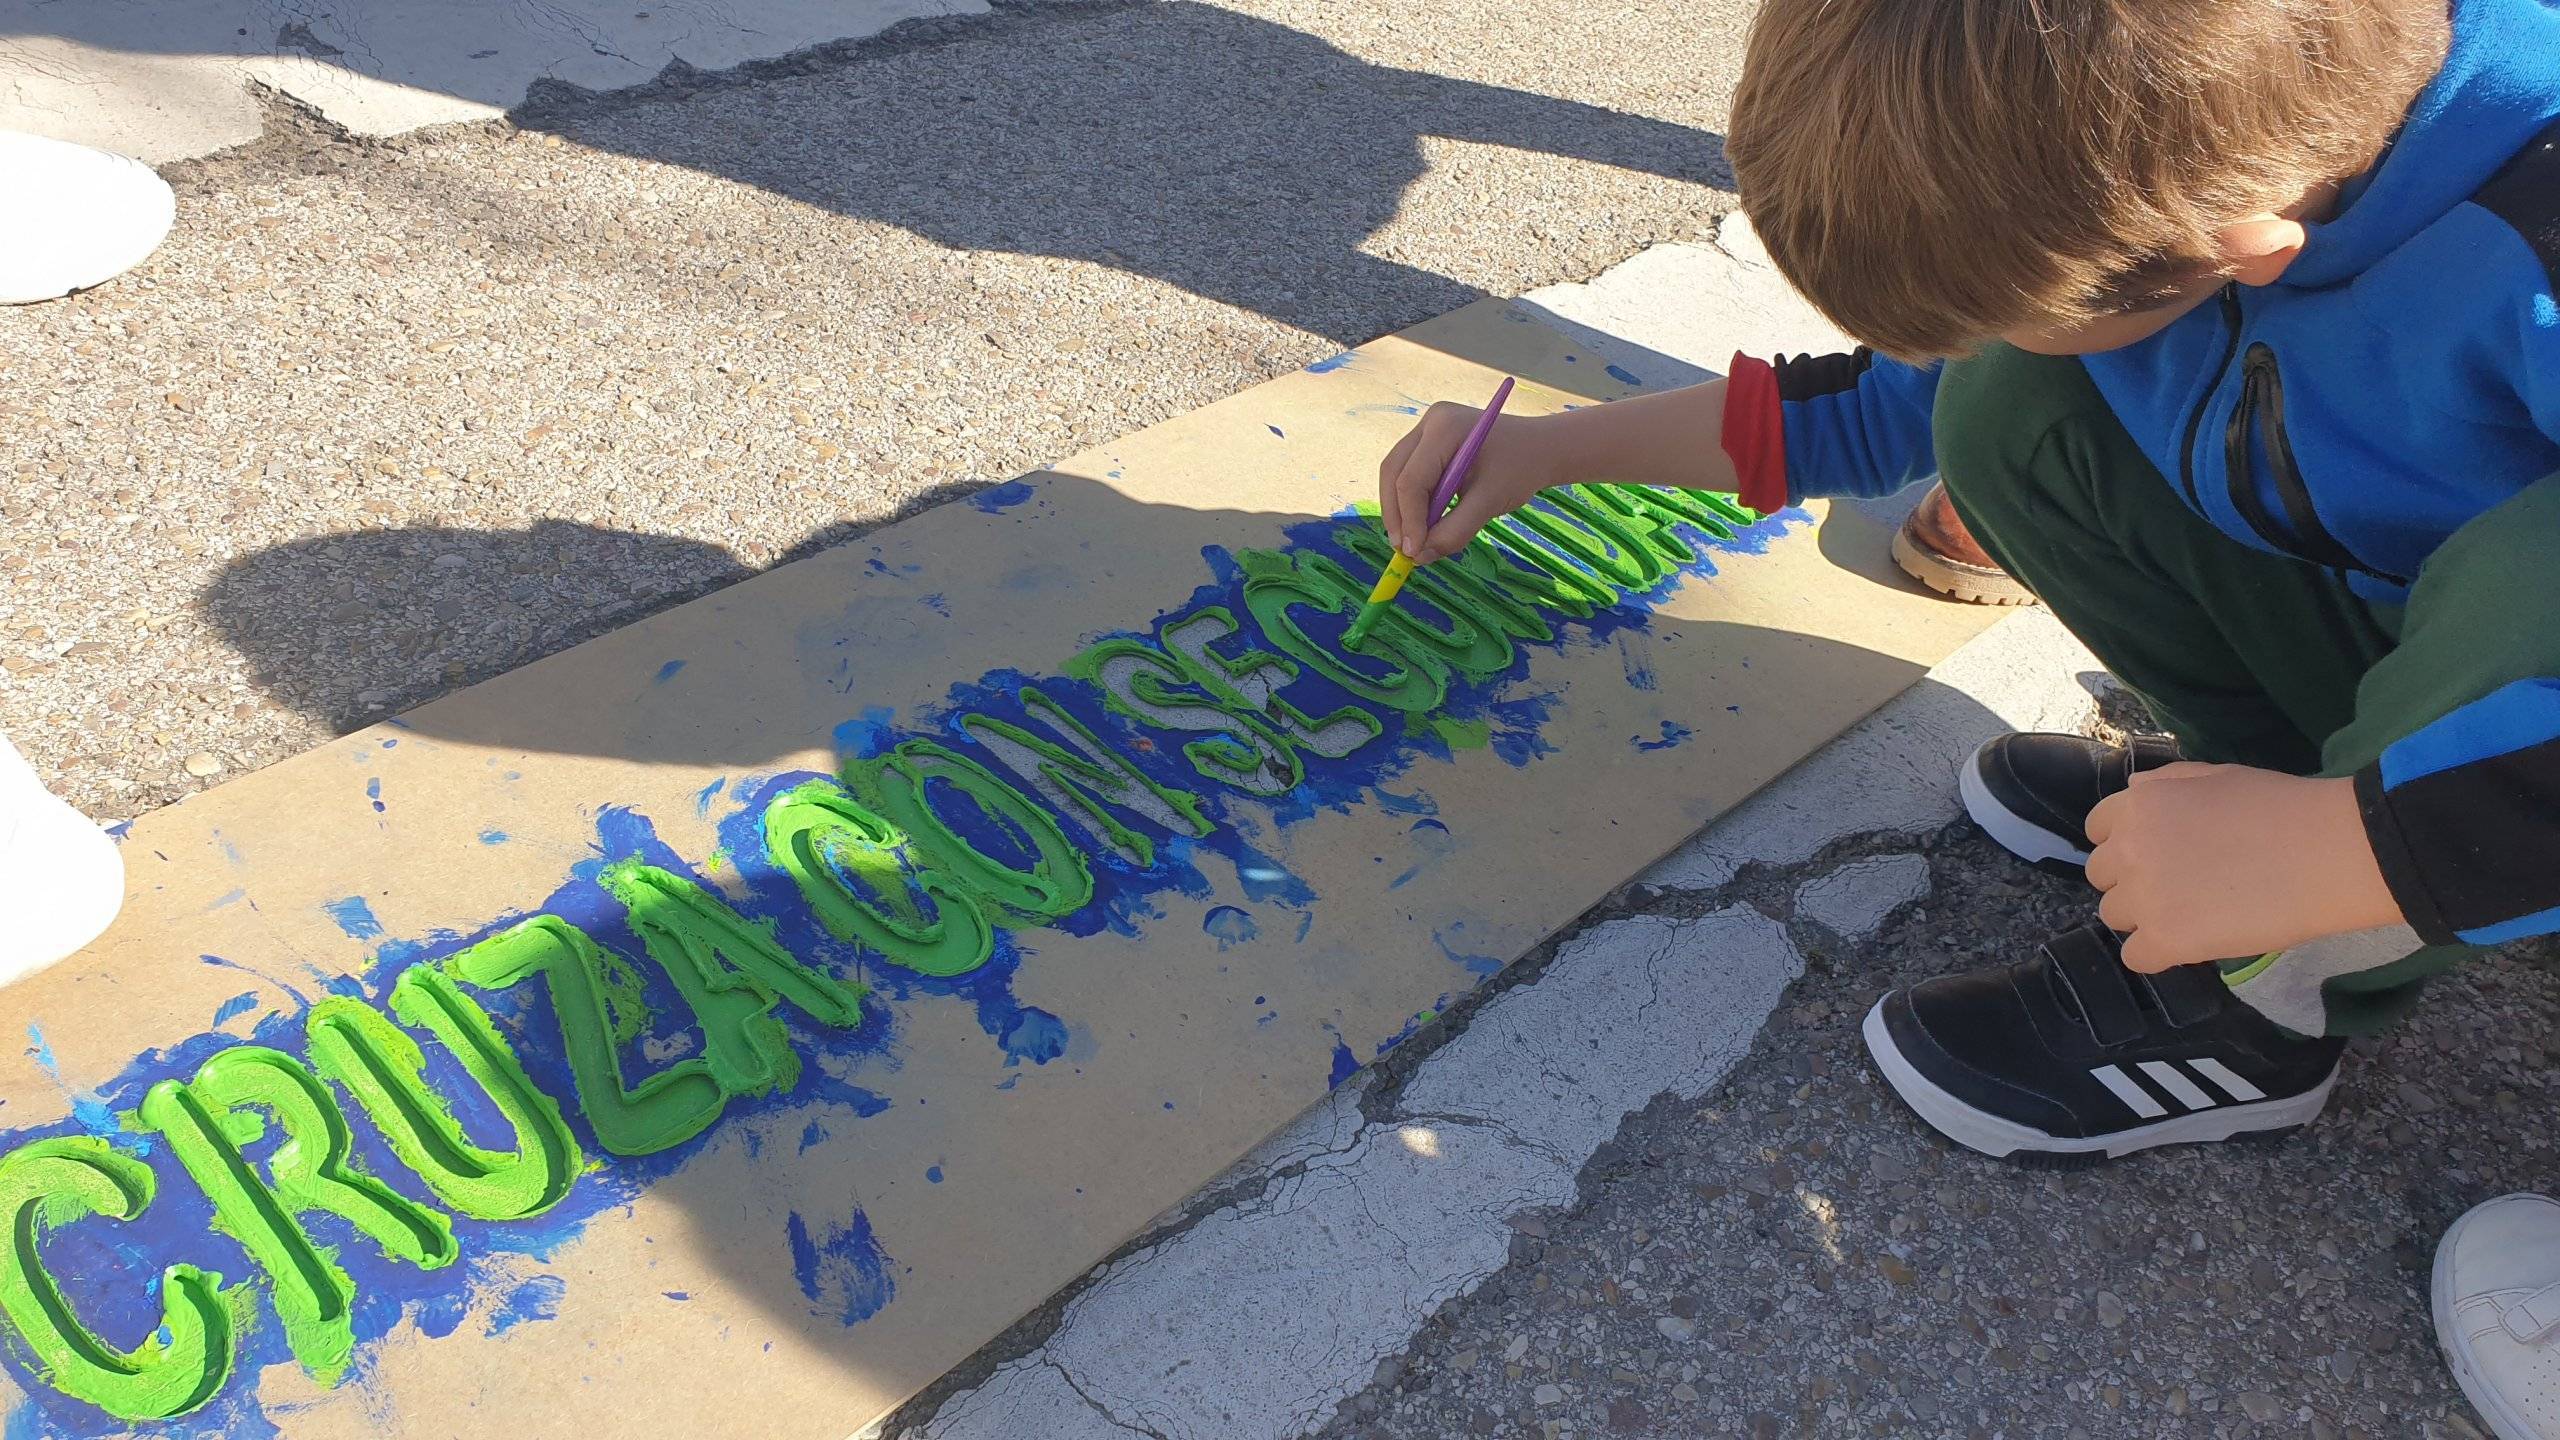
[1518, 460]
[2216, 862]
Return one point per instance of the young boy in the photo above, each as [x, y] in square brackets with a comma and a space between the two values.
[2231, 327]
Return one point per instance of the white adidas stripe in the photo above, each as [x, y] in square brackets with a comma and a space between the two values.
[2232, 1085]
[2135, 1098]
[2180, 1088]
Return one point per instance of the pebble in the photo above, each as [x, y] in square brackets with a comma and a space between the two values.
[1547, 1395]
[1675, 1328]
[2259, 1406]
[2110, 1310]
[203, 764]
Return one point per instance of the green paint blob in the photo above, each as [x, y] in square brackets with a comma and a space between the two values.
[376, 1062]
[1241, 750]
[664, 1110]
[904, 785]
[1089, 780]
[1251, 681]
[47, 1184]
[1515, 561]
[1654, 514]
[209, 1118]
[1462, 734]
[1593, 532]
[1477, 580]
[857, 871]
[1276, 584]
[731, 972]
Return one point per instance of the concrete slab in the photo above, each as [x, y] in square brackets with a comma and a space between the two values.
[1856, 898]
[169, 79]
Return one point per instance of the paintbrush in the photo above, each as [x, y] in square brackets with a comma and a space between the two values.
[1452, 481]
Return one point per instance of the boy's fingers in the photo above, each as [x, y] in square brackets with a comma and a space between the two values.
[2104, 817]
[1390, 492]
[1473, 513]
[2104, 869]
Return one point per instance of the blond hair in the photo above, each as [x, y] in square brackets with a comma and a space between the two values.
[1932, 173]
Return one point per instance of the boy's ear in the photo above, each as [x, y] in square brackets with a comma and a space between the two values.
[2261, 248]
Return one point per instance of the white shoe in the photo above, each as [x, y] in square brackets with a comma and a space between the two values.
[2497, 1303]
[61, 879]
[72, 217]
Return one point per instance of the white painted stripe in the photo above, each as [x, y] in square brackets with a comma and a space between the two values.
[2187, 1092]
[2232, 1085]
[2135, 1098]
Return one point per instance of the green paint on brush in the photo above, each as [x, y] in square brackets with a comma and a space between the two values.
[376, 1062]
[47, 1184]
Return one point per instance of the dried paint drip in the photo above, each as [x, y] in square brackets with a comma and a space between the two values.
[1058, 804]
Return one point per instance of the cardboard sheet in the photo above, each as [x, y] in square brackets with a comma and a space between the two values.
[1251, 876]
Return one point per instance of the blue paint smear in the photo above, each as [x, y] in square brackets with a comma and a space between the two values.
[373, 792]
[355, 917]
[933, 1174]
[1623, 375]
[1431, 838]
[812, 1135]
[536, 1298]
[1276, 430]
[235, 1007]
[667, 672]
[996, 499]
[1345, 1064]
[1475, 964]
[840, 1267]
[677, 1295]
[1671, 735]
[1229, 926]
[840, 1264]
[228, 897]
[493, 837]
[1331, 363]
[1637, 658]
[703, 797]
[91, 1113]
[390, 744]
[935, 603]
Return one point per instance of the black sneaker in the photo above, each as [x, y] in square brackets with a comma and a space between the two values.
[2070, 1058]
[2033, 792]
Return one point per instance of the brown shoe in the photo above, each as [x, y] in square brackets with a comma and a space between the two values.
[1934, 548]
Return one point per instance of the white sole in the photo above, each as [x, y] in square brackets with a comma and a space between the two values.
[2492, 1407]
[1956, 580]
[1983, 1131]
[2017, 834]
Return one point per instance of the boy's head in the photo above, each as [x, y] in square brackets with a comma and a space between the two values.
[2069, 175]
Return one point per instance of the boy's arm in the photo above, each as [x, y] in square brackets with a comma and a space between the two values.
[1854, 424]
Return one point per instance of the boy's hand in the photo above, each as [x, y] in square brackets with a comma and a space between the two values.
[2215, 862]
[1518, 460]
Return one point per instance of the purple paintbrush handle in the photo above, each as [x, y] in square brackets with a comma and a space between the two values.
[1456, 475]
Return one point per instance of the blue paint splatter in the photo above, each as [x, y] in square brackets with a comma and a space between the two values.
[355, 917]
[841, 1268]
[703, 797]
[493, 837]
[677, 1295]
[1623, 375]
[1276, 430]
[933, 1174]
[935, 603]
[228, 897]
[1331, 363]
[812, 1135]
[667, 672]
[535, 1298]
[235, 1007]
[866, 734]
[996, 499]
[1229, 926]
[1671, 735]
[1345, 1064]
[1433, 839]
[89, 1111]
[390, 744]
[373, 792]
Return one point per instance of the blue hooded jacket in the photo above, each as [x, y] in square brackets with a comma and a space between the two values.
[2401, 378]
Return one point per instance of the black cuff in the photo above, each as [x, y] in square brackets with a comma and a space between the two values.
[2399, 865]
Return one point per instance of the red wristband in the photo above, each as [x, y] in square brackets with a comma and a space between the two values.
[1755, 434]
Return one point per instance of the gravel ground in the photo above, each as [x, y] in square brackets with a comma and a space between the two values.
[386, 419]
[1800, 1257]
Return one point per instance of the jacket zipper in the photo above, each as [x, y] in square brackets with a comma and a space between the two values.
[2195, 422]
[2262, 407]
